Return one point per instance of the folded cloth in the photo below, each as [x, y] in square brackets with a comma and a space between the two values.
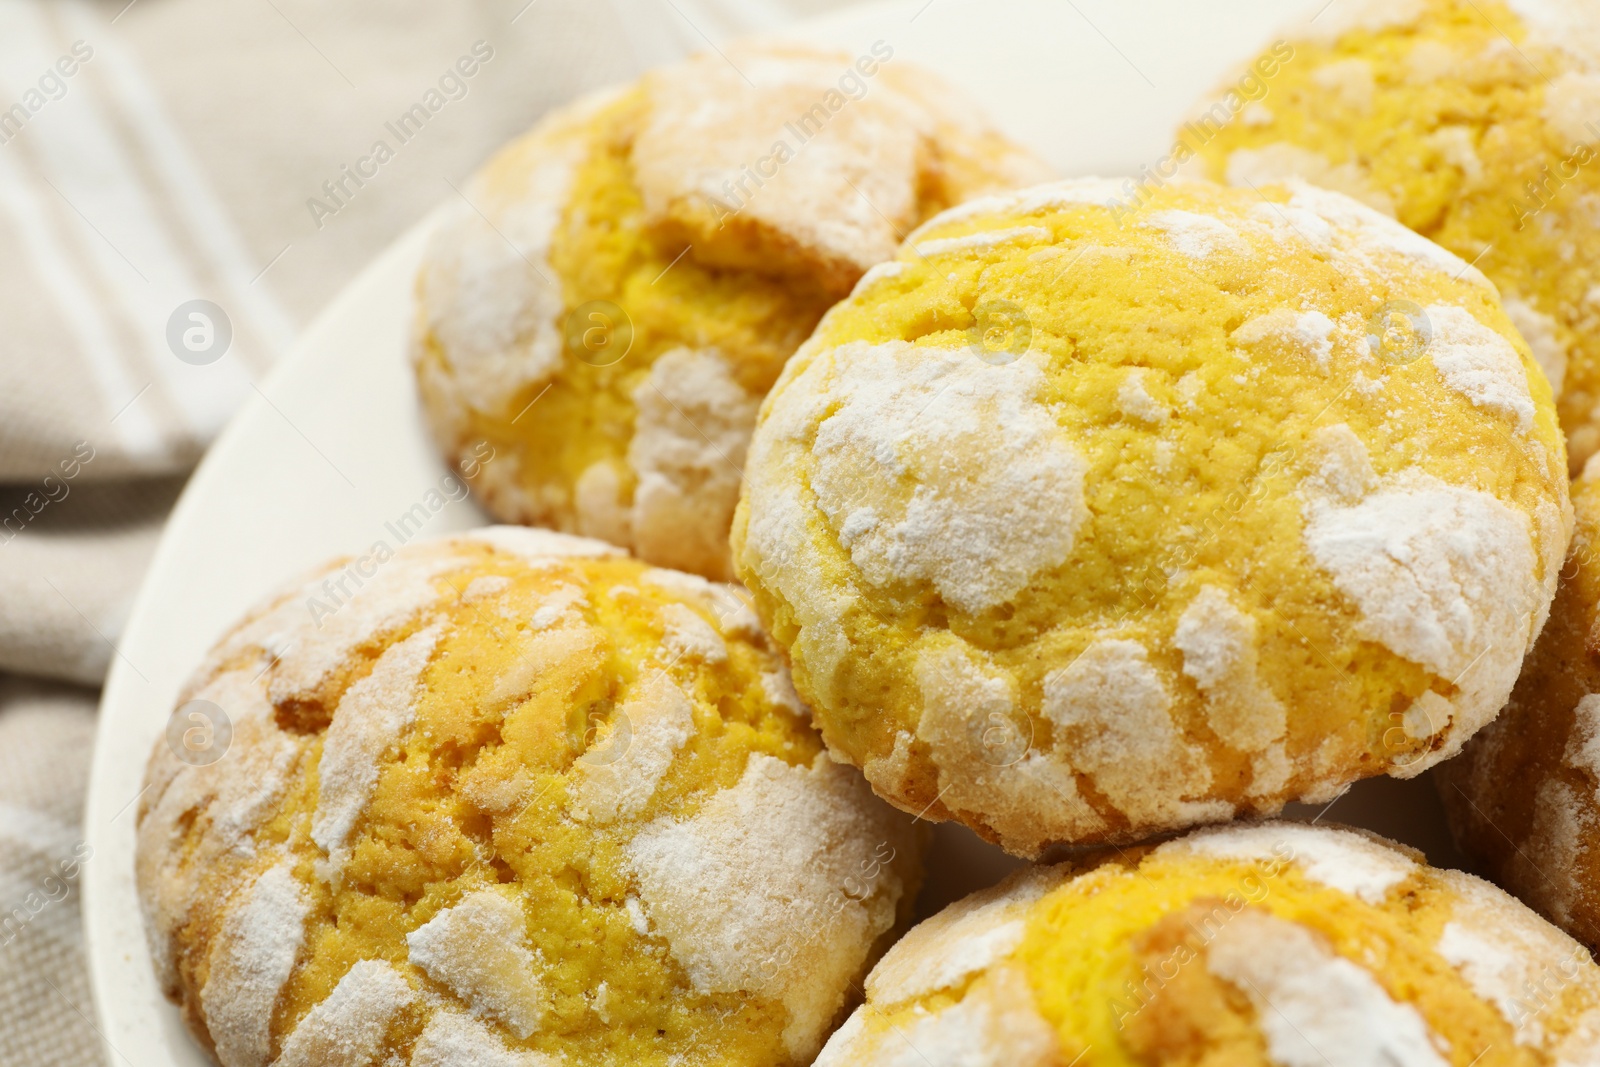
[68, 570]
[183, 184]
[162, 152]
[46, 736]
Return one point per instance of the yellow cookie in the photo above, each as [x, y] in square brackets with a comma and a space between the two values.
[1474, 122]
[598, 321]
[1269, 945]
[1524, 797]
[1080, 524]
[509, 799]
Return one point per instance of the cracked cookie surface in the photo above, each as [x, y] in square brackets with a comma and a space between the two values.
[1079, 524]
[1255, 945]
[1474, 122]
[511, 798]
[623, 284]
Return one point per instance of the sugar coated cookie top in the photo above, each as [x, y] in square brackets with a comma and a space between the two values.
[1255, 945]
[1082, 521]
[508, 798]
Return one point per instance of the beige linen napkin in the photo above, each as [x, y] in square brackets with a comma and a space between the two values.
[183, 184]
[46, 734]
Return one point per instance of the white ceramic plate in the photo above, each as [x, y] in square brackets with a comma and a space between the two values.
[331, 448]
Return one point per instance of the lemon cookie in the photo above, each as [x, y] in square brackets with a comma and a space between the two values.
[1524, 796]
[604, 311]
[1271, 944]
[1080, 525]
[508, 798]
[1474, 122]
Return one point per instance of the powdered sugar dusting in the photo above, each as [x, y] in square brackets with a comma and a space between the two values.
[1309, 333]
[556, 605]
[975, 242]
[778, 547]
[690, 434]
[485, 585]
[1479, 364]
[1509, 955]
[1372, 16]
[1213, 636]
[1218, 642]
[1581, 1045]
[1027, 804]
[311, 650]
[687, 634]
[779, 690]
[1315, 1008]
[1032, 200]
[370, 720]
[728, 887]
[348, 1028]
[1348, 83]
[636, 916]
[236, 795]
[538, 654]
[965, 938]
[995, 1024]
[1198, 236]
[535, 545]
[679, 583]
[1438, 571]
[735, 616]
[1338, 859]
[980, 490]
[478, 949]
[1342, 471]
[597, 503]
[844, 1048]
[1287, 222]
[232, 796]
[251, 958]
[850, 190]
[1134, 399]
[452, 1039]
[1427, 715]
[1366, 230]
[485, 290]
[971, 952]
[245, 794]
[1563, 821]
[730, 603]
[1570, 103]
[1491, 969]
[1565, 24]
[660, 720]
[1112, 713]
[1583, 743]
